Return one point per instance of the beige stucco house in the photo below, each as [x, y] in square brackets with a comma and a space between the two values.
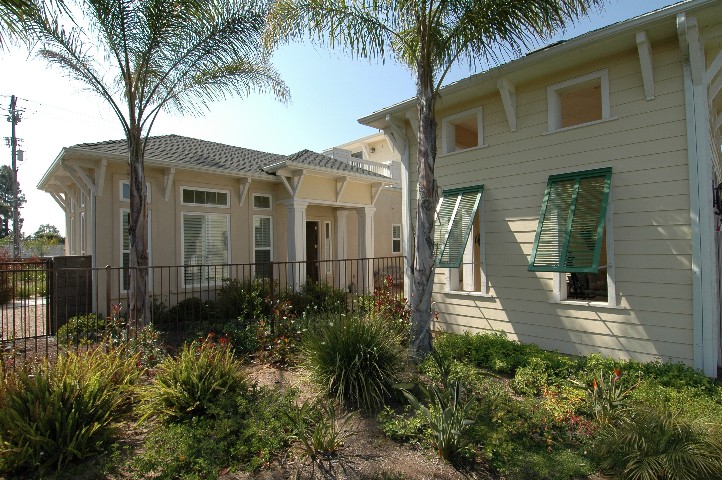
[578, 191]
[215, 204]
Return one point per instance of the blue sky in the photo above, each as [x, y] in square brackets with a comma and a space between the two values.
[329, 92]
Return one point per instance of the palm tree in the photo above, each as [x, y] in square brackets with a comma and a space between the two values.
[11, 14]
[145, 56]
[428, 36]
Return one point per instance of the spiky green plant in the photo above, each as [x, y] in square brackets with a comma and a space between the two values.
[355, 359]
[188, 384]
[64, 410]
[320, 427]
[655, 443]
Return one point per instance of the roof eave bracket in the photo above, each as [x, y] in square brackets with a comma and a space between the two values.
[508, 98]
[644, 47]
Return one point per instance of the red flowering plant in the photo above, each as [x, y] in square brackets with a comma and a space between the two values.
[605, 395]
[388, 305]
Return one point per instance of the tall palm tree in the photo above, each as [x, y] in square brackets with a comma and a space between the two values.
[11, 15]
[145, 56]
[428, 36]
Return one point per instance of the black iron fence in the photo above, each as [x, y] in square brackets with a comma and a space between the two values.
[39, 299]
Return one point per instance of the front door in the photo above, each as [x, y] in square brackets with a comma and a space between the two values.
[312, 251]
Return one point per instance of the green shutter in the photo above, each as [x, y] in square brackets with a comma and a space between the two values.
[571, 224]
[454, 221]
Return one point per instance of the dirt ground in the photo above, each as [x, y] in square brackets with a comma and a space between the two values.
[366, 454]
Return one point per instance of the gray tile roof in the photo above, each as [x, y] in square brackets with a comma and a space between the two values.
[186, 151]
[192, 152]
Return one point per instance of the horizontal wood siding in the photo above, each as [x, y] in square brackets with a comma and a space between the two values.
[645, 144]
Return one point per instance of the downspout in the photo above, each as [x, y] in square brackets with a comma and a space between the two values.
[704, 291]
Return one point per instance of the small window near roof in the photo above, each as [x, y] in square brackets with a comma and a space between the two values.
[261, 201]
[579, 101]
[462, 131]
[211, 198]
[125, 191]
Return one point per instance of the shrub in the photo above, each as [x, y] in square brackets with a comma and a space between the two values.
[187, 386]
[317, 297]
[390, 307]
[192, 310]
[82, 330]
[244, 430]
[244, 298]
[355, 359]
[406, 425]
[651, 442]
[65, 410]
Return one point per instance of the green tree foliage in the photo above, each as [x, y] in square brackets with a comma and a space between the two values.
[428, 36]
[146, 56]
[6, 202]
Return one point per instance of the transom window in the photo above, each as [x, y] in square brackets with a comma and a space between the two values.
[459, 232]
[579, 101]
[571, 237]
[262, 201]
[205, 197]
[206, 249]
[125, 191]
[462, 131]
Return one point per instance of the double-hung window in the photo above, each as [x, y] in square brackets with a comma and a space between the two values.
[206, 253]
[262, 245]
[458, 239]
[396, 238]
[571, 237]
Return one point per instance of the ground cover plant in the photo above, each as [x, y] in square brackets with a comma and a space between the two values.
[482, 406]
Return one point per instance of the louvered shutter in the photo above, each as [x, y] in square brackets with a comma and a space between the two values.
[454, 221]
[571, 224]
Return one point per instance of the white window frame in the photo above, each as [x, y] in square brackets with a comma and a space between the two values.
[270, 201]
[124, 211]
[554, 108]
[123, 198]
[71, 235]
[560, 278]
[83, 234]
[253, 239]
[208, 205]
[182, 249]
[328, 246]
[393, 238]
[448, 135]
[470, 270]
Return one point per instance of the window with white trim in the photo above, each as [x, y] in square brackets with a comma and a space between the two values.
[205, 248]
[328, 246]
[125, 246]
[462, 131]
[83, 233]
[459, 239]
[71, 235]
[574, 236]
[579, 101]
[262, 201]
[205, 197]
[262, 245]
[125, 191]
[396, 238]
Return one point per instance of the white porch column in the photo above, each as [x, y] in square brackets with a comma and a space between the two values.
[296, 232]
[340, 277]
[366, 248]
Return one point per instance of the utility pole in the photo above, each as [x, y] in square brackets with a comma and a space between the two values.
[14, 118]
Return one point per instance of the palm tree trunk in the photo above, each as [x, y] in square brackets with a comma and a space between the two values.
[137, 231]
[427, 199]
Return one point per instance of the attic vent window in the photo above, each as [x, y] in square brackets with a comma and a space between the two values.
[579, 101]
[358, 155]
[261, 202]
[462, 131]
